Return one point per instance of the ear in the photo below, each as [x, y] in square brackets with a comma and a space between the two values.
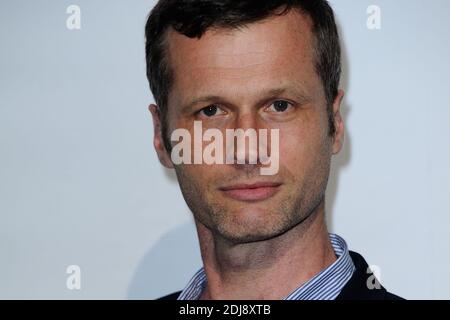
[158, 141]
[338, 139]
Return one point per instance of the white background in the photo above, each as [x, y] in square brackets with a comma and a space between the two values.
[80, 182]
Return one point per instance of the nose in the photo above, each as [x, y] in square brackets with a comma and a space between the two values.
[243, 142]
[246, 120]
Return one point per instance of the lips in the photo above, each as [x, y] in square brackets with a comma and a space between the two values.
[251, 192]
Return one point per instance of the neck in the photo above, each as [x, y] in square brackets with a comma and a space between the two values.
[269, 269]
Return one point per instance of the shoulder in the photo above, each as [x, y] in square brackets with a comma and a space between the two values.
[172, 296]
[355, 289]
[358, 288]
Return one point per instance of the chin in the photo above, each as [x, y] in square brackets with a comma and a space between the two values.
[250, 230]
[241, 237]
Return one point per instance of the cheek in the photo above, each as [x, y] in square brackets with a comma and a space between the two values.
[199, 177]
[293, 151]
[303, 144]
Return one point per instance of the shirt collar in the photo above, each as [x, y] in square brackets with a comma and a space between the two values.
[326, 285]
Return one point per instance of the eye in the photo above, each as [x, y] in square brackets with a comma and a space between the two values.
[211, 111]
[280, 106]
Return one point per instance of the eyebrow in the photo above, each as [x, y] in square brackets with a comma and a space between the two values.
[269, 94]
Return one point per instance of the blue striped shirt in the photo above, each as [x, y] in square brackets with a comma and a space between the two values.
[326, 285]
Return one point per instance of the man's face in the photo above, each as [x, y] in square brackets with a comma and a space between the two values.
[262, 77]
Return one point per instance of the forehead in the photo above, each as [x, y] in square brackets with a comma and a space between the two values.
[256, 57]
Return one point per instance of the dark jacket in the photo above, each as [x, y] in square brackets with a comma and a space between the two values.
[355, 289]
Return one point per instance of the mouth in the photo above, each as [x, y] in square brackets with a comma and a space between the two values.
[251, 192]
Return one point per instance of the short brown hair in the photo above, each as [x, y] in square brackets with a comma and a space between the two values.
[193, 18]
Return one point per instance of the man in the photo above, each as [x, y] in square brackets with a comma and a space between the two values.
[255, 64]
